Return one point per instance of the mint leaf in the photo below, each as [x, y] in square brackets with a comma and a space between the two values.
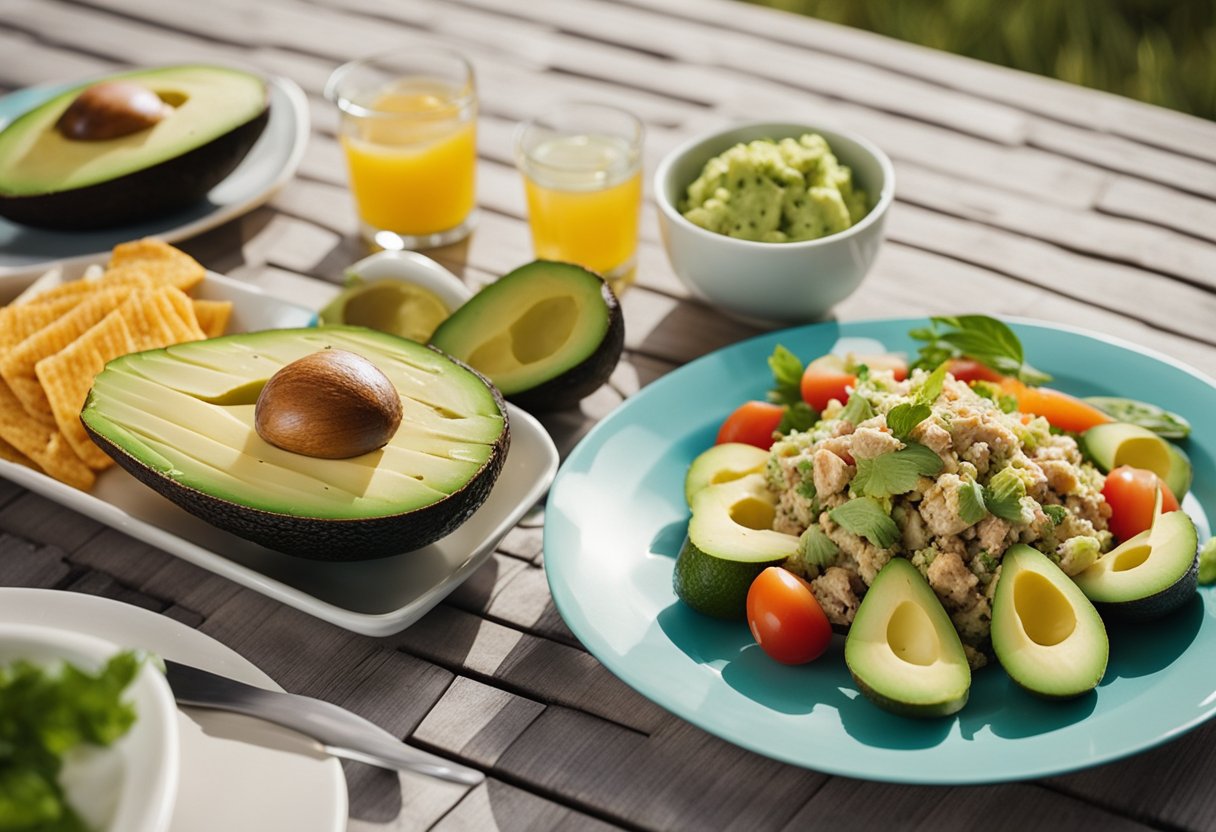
[971, 502]
[799, 416]
[864, 517]
[985, 339]
[817, 549]
[787, 377]
[857, 410]
[1056, 513]
[896, 472]
[931, 387]
[1004, 494]
[903, 418]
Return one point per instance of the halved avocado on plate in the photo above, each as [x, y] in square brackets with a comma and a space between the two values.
[547, 334]
[51, 178]
[182, 420]
[1120, 443]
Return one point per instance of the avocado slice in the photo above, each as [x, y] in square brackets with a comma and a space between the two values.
[1045, 632]
[730, 542]
[1119, 443]
[49, 180]
[547, 334]
[902, 650]
[1149, 575]
[181, 420]
[723, 463]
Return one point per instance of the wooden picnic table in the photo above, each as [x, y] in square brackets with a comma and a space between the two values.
[1016, 195]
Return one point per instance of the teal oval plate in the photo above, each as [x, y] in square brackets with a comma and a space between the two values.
[616, 517]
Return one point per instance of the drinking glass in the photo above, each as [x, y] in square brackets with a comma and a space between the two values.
[408, 128]
[582, 171]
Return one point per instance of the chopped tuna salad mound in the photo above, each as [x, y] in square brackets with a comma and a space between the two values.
[999, 478]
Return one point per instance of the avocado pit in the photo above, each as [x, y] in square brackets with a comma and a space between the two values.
[111, 110]
[332, 404]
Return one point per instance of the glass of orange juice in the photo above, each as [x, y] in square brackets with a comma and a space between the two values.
[408, 124]
[582, 171]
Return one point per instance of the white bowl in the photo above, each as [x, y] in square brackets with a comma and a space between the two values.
[412, 267]
[778, 282]
[131, 785]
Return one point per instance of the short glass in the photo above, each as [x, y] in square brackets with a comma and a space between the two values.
[408, 127]
[582, 170]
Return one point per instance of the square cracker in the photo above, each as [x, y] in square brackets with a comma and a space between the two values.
[158, 260]
[160, 317]
[44, 445]
[67, 376]
[213, 316]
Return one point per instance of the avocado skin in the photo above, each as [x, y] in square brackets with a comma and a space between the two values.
[693, 574]
[328, 539]
[894, 706]
[1159, 604]
[170, 186]
[568, 389]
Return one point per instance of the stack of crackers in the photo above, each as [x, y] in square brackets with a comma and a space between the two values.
[55, 340]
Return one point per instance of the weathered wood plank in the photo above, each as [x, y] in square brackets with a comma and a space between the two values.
[1127, 197]
[495, 806]
[420, 803]
[28, 62]
[36, 518]
[535, 667]
[476, 721]
[25, 563]
[101, 584]
[856, 804]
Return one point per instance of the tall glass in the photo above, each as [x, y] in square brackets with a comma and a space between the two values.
[408, 127]
[582, 170]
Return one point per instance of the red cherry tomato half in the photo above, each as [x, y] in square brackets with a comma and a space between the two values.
[826, 377]
[1131, 493]
[752, 423]
[968, 370]
[785, 619]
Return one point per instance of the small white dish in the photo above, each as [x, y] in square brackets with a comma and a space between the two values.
[772, 282]
[237, 774]
[412, 267]
[375, 597]
[131, 785]
[271, 162]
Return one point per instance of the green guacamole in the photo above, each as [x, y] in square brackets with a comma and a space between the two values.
[776, 192]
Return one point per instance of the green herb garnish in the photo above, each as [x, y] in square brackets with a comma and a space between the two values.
[864, 517]
[1056, 513]
[1160, 421]
[816, 549]
[903, 418]
[1003, 496]
[896, 472]
[980, 337]
[971, 506]
[787, 392]
[857, 410]
[43, 715]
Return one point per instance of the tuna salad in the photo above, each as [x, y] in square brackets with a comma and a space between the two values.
[943, 474]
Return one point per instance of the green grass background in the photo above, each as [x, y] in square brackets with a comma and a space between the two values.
[1159, 51]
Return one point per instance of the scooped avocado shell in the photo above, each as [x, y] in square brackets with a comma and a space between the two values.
[547, 334]
[181, 420]
[106, 176]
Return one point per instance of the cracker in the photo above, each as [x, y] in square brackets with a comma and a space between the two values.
[159, 260]
[80, 289]
[67, 376]
[17, 367]
[10, 454]
[44, 445]
[20, 322]
[213, 316]
[155, 318]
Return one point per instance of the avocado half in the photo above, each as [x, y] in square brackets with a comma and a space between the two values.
[547, 334]
[181, 420]
[51, 181]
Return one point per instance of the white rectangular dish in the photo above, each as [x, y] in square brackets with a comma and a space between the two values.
[376, 597]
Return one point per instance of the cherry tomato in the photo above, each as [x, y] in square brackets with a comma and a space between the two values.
[785, 619]
[968, 370]
[826, 377]
[1131, 493]
[1060, 409]
[752, 423]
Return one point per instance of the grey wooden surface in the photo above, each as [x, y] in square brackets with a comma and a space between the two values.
[1016, 195]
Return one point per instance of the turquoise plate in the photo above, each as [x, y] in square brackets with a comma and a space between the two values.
[616, 517]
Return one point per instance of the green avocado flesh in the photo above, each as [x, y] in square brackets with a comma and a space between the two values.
[730, 542]
[48, 180]
[547, 334]
[1045, 632]
[723, 463]
[902, 650]
[1118, 443]
[182, 418]
[1148, 575]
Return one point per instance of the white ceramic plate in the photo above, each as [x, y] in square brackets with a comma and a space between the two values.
[270, 163]
[129, 786]
[376, 597]
[237, 774]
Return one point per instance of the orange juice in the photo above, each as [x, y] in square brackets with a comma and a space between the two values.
[584, 201]
[412, 154]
